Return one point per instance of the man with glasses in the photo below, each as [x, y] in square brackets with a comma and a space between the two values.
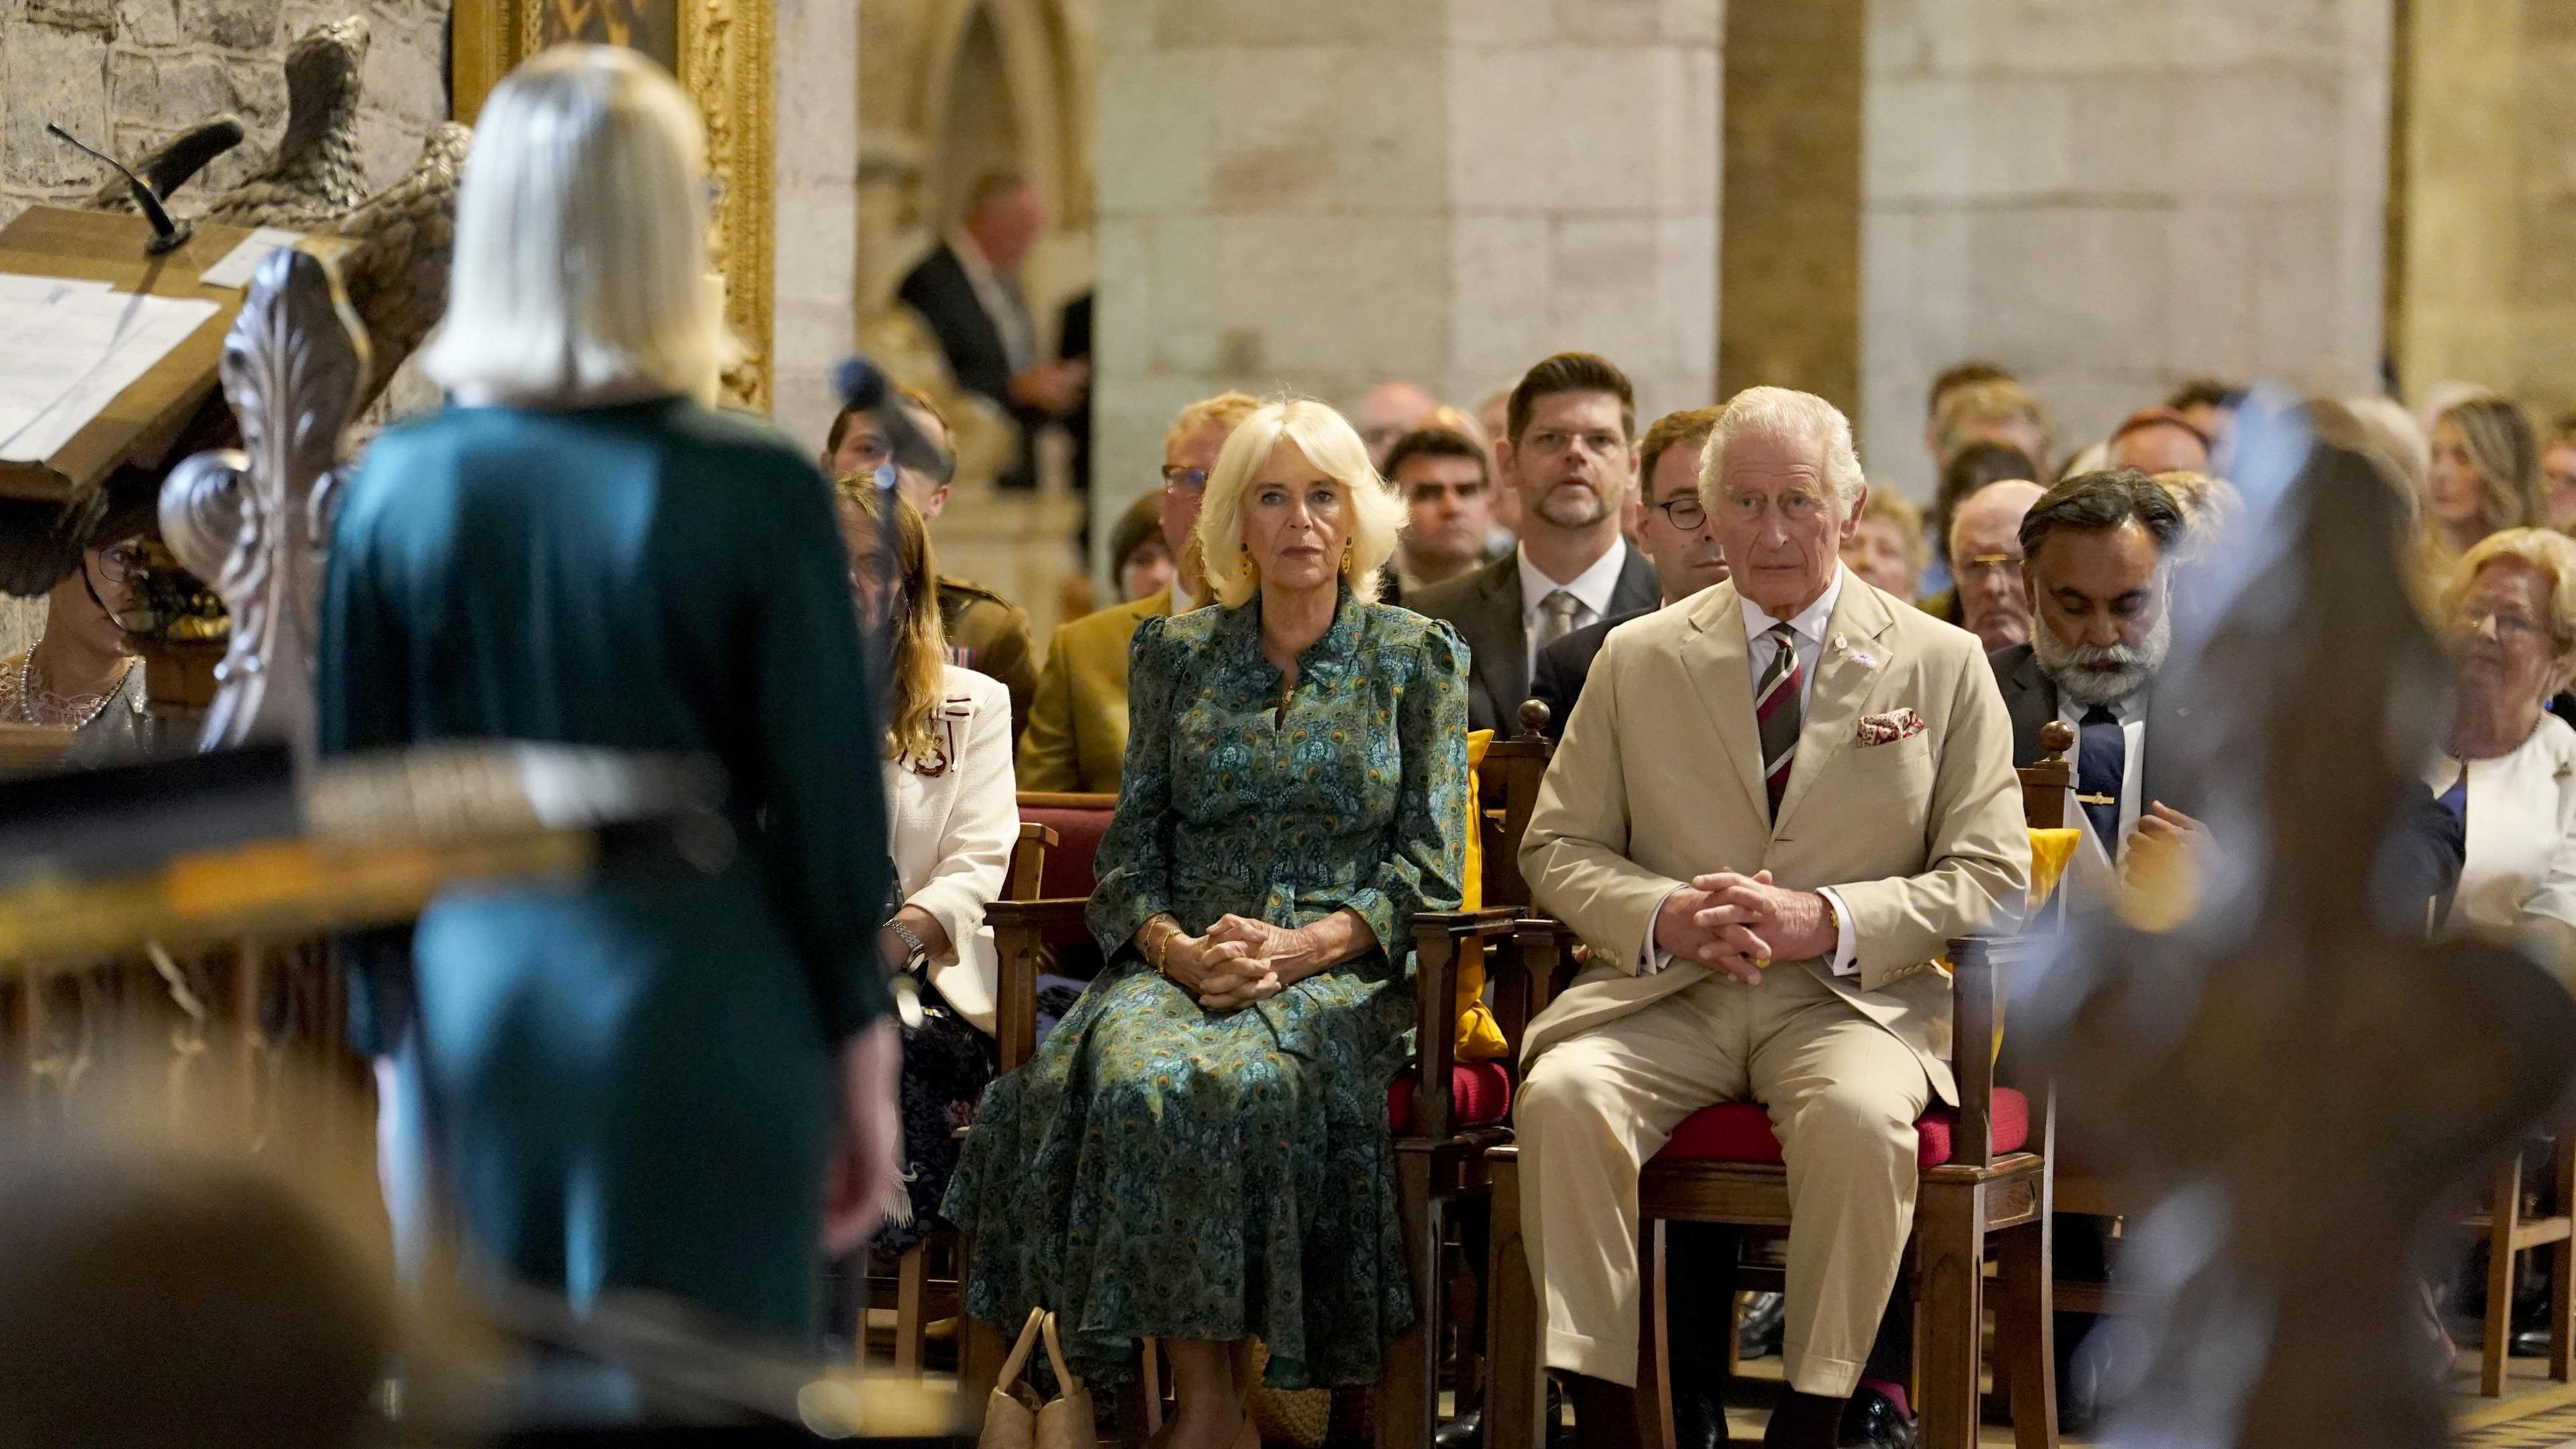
[1985, 560]
[1077, 735]
[1675, 535]
[1567, 452]
[986, 632]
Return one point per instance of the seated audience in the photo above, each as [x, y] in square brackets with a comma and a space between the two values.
[2485, 478]
[1077, 734]
[1975, 466]
[2159, 440]
[79, 676]
[951, 822]
[2000, 411]
[1947, 384]
[985, 632]
[1738, 954]
[1678, 537]
[1198, 1152]
[1888, 549]
[1568, 450]
[2508, 767]
[2207, 403]
[1139, 558]
[1387, 412]
[1445, 478]
[2558, 473]
[1985, 557]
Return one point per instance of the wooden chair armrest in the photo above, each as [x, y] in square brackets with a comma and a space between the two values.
[1975, 963]
[1019, 939]
[1494, 922]
[1439, 940]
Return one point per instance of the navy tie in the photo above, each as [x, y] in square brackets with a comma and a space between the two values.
[2102, 756]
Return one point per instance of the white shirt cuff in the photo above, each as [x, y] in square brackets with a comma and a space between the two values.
[1651, 958]
[1844, 944]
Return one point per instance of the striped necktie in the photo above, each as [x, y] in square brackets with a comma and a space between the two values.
[1775, 708]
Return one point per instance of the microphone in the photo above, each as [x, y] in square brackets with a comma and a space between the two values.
[865, 389]
[167, 235]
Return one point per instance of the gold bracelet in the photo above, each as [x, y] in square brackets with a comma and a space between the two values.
[1158, 949]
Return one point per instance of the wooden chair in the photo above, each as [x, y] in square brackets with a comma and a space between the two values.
[912, 1280]
[2508, 1236]
[1447, 1115]
[1985, 1181]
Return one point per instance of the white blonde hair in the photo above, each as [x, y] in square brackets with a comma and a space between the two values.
[2549, 553]
[1334, 447]
[1784, 415]
[581, 257]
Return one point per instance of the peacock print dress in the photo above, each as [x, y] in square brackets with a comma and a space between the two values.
[1161, 1170]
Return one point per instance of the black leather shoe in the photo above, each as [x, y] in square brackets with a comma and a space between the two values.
[1699, 1420]
[1757, 1333]
[1870, 1421]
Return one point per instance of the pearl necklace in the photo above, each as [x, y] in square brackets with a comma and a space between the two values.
[27, 694]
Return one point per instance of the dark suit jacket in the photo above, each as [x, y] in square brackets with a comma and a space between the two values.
[1485, 607]
[1562, 667]
[1073, 340]
[938, 289]
[2031, 699]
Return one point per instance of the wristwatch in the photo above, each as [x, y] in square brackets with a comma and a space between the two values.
[920, 954]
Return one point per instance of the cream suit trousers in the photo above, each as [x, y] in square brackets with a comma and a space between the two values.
[1843, 1093]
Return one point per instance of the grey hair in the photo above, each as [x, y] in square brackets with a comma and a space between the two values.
[1785, 415]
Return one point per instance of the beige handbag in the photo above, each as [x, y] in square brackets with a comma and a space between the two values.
[1062, 1423]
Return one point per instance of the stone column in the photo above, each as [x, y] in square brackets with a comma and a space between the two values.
[2108, 196]
[1311, 197]
[2486, 290]
[815, 265]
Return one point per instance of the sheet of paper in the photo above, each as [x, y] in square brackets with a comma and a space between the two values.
[235, 268]
[67, 350]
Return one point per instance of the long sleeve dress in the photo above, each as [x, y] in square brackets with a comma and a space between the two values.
[628, 1084]
[1160, 1170]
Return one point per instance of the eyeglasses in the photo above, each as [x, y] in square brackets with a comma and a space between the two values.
[1982, 566]
[119, 563]
[2509, 623]
[1683, 513]
[1188, 480]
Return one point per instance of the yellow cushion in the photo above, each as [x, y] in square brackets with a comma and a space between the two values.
[2050, 851]
[1480, 1037]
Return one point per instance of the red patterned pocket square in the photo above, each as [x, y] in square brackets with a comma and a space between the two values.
[1888, 728]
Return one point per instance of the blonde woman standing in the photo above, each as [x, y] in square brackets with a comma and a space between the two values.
[1198, 1153]
[638, 1083]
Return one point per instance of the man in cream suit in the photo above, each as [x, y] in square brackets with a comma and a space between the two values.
[1773, 805]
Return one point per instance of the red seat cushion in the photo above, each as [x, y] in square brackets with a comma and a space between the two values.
[1068, 866]
[1741, 1132]
[1480, 1094]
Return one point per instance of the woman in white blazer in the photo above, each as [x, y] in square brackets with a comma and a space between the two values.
[2507, 764]
[952, 817]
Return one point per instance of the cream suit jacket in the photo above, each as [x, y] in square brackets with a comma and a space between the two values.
[1659, 779]
[951, 832]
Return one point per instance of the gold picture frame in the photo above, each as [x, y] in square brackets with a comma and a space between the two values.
[724, 51]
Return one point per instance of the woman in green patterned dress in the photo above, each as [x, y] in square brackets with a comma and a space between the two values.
[1198, 1152]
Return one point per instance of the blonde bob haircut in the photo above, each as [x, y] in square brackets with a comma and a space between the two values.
[2550, 552]
[1334, 447]
[581, 257]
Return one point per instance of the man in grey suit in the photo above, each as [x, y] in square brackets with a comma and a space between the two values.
[1569, 449]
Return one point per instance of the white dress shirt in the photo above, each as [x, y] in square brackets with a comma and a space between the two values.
[1807, 636]
[1592, 590]
[2094, 866]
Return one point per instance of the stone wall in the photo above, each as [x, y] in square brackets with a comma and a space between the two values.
[2107, 195]
[2487, 280]
[124, 75]
[1314, 196]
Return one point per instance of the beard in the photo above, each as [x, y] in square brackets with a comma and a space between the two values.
[2098, 674]
[1572, 504]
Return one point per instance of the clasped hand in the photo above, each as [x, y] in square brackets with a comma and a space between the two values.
[1737, 925]
[1236, 963]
